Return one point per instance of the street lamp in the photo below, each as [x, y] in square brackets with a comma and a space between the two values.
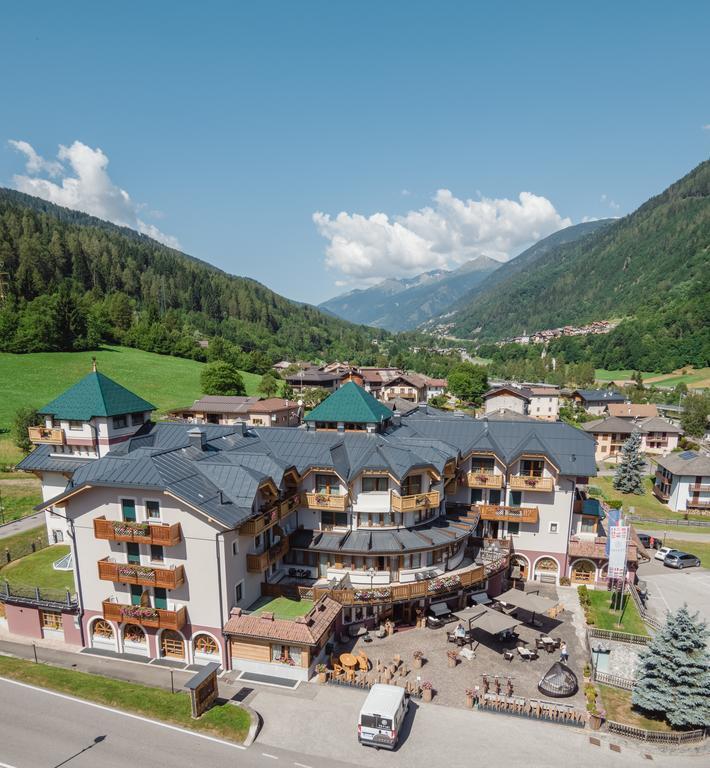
[371, 573]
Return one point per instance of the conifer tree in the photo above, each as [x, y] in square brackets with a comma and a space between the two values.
[629, 474]
[673, 678]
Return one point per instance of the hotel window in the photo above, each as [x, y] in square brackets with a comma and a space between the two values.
[235, 547]
[51, 620]
[239, 591]
[370, 484]
[516, 498]
[78, 425]
[137, 419]
[554, 527]
[589, 525]
[156, 553]
[330, 517]
[513, 529]
[532, 467]
[412, 485]
[119, 422]
[480, 464]
[327, 484]
[152, 509]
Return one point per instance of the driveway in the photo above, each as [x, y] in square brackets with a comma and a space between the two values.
[669, 589]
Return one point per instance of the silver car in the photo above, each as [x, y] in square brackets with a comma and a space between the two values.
[676, 559]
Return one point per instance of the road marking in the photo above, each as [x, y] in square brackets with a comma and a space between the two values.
[122, 713]
[266, 754]
[5, 765]
[301, 765]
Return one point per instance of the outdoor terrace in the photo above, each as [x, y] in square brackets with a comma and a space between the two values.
[145, 616]
[414, 502]
[149, 576]
[259, 563]
[511, 514]
[51, 435]
[138, 533]
[270, 517]
[531, 483]
[327, 501]
[483, 479]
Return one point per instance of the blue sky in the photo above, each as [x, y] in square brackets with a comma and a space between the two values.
[230, 125]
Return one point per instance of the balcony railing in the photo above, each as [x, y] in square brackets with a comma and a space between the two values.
[259, 563]
[509, 514]
[51, 435]
[483, 479]
[697, 503]
[439, 586]
[326, 501]
[660, 494]
[146, 616]
[149, 576]
[137, 533]
[698, 488]
[270, 517]
[531, 483]
[414, 502]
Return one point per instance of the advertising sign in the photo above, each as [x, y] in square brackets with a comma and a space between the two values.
[617, 541]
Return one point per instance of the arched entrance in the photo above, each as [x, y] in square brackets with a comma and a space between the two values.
[134, 640]
[519, 568]
[583, 572]
[103, 635]
[547, 569]
[205, 649]
[172, 645]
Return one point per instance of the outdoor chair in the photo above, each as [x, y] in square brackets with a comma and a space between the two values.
[539, 644]
[338, 669]
[558, 641]
[508, 655]
[363, 662]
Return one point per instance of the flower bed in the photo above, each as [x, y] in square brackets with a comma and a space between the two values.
[139, 612]
[372, 594]
[445, 584]
[122, 528]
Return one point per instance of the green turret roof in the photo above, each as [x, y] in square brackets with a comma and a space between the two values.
[350, 404]
[95, 395]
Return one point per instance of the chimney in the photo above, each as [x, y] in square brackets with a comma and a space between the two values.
[396, 419]
[197, 438]
[235, 612]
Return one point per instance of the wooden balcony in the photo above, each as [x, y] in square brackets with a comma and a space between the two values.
[509, 514]
[259, 563]
[148, 576]
[326, 501]
[51, 435]
[270, 517]
[531, 483]
[483, 479]
[434, 588]
[697, 504]
[660, 493]
[159, 618]
[698, 488]
[414, 502]
[137, 533]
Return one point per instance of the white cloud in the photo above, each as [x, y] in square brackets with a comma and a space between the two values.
[84, 186]
[448, 233]
[611, 203]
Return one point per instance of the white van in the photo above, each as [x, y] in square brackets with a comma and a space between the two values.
[381, 716]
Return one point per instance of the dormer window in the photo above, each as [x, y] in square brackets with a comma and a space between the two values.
[412, 485]
[77, 425]
[120, 422]
[373, 484]
[137, 419]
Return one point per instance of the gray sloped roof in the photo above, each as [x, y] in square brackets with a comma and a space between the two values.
[42, 460]
[686, 463]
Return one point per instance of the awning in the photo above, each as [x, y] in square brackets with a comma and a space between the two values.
[480, 598]
[493, 622]
[527, 601]
[439, 609]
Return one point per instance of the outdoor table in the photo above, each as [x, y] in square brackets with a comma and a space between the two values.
[348, 660]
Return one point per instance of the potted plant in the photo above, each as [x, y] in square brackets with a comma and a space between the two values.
[587, 672]
[427, 690]
[596, 715]
[321, 671]
[417, 659]
[470, 694]
[453, 657]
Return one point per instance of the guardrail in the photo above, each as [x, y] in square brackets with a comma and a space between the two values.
[656, 737]
[621, 637]
[651, 621]
[616, 681]
[669, 521]
[21, 594]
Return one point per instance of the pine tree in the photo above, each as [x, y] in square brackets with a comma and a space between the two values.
[629, 474]
[673, 678]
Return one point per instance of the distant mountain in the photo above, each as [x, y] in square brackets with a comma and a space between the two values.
[403, 304]
[651, 267]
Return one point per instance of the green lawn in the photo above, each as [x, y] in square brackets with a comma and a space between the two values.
[602, 374]
[694, 377]
[645, 506]
[604, 618]
[19, 544]
[617, 703]
[36, 570]
[37, 378]
[282, 607]
[226, 721]
[671, 528]
[19, 493]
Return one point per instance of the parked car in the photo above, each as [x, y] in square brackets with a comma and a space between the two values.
[662, 552]
[676, 559]
[648, 541]
[381, 716]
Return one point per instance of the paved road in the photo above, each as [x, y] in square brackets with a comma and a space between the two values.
[669, 589]
[24, 524]
[58, 731]
[678, 533]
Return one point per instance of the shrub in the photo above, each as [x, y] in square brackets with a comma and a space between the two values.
[615, 503]
[564, 581]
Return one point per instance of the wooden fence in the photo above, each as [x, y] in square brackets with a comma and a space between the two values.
[621, 637]
[23, 547]
[616, 681]
[676, 738]
[649, 620]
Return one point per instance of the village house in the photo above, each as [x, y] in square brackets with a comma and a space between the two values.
[223, 409]
[683, 482]
[406, 386]
[658, 436]
[632, 410]
[314, 377]
[180, 529]
[596, 401]
[536, 400]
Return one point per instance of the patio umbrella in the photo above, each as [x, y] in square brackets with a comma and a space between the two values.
[527, 601]
[490, 621]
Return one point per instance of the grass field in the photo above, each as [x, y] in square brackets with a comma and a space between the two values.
[165, 381]
[19, 493]
[226, 720]
[693, 377]
[645, 506]
[604, 618]
[601, 374]
[20, 544]
[617, 704]
[36, 570]
[282, 607]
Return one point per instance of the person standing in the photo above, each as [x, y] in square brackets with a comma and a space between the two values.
[564, 655]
